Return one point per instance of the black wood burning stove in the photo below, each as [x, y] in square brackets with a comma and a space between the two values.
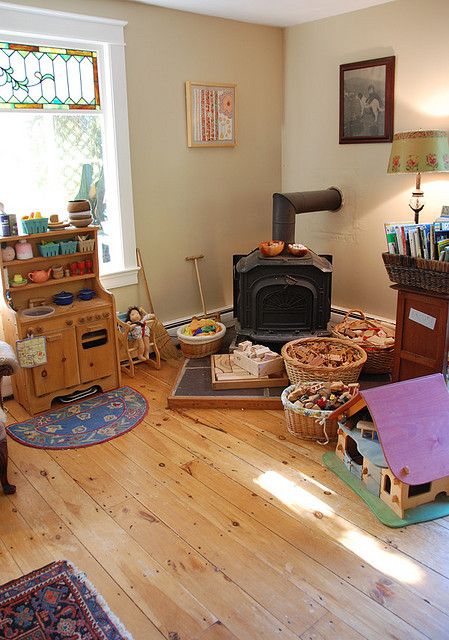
[285, 297]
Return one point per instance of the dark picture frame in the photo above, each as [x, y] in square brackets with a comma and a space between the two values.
[367, 101]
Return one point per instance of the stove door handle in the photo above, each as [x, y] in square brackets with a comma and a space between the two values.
[291, 280]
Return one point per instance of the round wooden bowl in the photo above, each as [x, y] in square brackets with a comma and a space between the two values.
[75, 206]
[271, 248]
[80, 224]
[81, 215]
[297, 250]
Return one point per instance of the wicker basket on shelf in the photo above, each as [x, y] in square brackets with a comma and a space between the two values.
[430, 275]
[299, 371]
[379, 357]
[200, 346]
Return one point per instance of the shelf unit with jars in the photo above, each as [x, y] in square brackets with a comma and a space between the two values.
[81, 340]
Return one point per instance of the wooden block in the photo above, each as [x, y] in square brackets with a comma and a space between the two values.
[259, 350]
[242, 379]
[236, 377]
[223, 363]
[258, 368]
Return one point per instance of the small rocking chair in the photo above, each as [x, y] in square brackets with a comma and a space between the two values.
[128, 348]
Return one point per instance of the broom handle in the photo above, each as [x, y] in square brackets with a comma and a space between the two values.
[142, 270]
[198, 277]
[200, 287]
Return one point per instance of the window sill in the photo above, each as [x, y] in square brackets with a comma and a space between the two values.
[119, 278]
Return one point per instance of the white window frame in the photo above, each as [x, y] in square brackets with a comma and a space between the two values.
[28, 23]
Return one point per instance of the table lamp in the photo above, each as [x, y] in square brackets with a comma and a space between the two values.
[416, 152]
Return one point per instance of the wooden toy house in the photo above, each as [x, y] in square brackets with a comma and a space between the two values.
[395, 439]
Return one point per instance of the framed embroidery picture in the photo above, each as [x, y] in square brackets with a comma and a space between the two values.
[211, 114]
[367, 101]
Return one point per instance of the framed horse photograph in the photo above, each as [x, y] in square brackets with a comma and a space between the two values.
[367, 101]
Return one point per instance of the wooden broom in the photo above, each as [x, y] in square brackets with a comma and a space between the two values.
[167, 349]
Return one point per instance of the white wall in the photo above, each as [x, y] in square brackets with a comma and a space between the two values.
[417, 33]
[191, 201]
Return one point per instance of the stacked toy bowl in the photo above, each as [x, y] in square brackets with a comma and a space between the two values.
[80, 214]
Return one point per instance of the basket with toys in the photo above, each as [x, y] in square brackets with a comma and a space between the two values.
[201, 337]
[308, 405]
[375, 337]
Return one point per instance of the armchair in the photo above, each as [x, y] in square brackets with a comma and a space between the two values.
[8, 366]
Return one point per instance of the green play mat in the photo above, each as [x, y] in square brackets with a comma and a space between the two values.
[382, 511]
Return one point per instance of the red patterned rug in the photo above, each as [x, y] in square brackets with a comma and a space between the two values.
[56, 603]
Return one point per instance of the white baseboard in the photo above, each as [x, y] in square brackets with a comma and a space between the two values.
[337, 314]
[228, 319]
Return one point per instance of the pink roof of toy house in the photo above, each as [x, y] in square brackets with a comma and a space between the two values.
[412, 420]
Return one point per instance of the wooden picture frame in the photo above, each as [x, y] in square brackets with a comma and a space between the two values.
[367, 101]
[211, 114]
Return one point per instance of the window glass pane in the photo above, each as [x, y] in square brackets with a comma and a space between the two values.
[48, 159]
[47, 78]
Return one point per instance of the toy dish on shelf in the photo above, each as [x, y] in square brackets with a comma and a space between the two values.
[34, 225]
[81, 224]
[58, 225]
[48, 250]
[63, 298]
[18, 284]
[86, 294]
[78, 206]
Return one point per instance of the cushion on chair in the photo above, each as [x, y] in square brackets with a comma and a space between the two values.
[8, 360]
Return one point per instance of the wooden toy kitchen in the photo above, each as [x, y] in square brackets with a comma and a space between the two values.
[52, 289]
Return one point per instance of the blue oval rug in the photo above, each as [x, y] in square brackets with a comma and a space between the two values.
[85, 423]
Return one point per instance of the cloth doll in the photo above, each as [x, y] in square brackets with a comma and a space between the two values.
[140, 322]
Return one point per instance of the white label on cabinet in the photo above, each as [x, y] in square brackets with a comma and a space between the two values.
[422, 318]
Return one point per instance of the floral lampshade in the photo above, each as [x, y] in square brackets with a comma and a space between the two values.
[419, 151]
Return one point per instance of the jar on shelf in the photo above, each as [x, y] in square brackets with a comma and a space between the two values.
[8, 252]
[24, 250]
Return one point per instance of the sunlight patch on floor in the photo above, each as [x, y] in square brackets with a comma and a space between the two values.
[291, 494]
[367, 548]
[390, 563]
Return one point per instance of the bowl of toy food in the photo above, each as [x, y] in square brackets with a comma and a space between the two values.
[271, 248]
[201, 337]
[297, 249]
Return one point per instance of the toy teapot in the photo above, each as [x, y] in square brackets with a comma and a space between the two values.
[40, 275]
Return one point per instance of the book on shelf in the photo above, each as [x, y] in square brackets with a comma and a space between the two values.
[417, 240]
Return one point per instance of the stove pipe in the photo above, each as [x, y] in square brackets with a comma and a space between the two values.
[287, 205]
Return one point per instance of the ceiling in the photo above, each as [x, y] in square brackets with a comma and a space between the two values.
[277, 13]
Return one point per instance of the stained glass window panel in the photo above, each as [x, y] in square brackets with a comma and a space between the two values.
[47, 78]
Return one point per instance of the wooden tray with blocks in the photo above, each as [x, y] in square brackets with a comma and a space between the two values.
[226, 374]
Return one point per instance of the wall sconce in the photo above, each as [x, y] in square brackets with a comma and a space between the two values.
[418, 152]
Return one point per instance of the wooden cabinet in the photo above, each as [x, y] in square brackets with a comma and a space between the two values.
[93, 349]
[422, 334]
[61, 370]
[81, 339]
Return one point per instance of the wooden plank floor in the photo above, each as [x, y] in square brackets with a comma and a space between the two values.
[218, 525]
